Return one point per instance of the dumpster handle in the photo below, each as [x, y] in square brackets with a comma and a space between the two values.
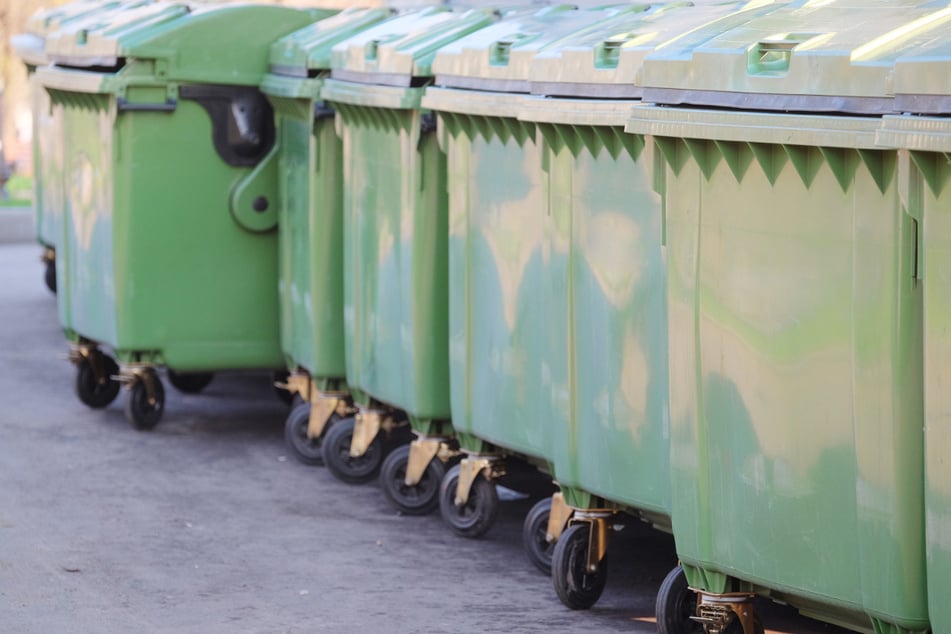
[123, 105]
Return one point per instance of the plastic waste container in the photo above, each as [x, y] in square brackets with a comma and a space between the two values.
[558, 319]
[310, 226]
[394, 240]
[169, 254]
[922, 135]
[794, 318]
[47, 165]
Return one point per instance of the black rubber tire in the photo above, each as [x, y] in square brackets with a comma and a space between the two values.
[336, 451]
[575, 586]
[479, 513]
[676, 603]
[421, 499]
[142, 415]
[189, 382]
[285, 396]
[90, 391]
[49, 275]
[535, 536]
[307, 450]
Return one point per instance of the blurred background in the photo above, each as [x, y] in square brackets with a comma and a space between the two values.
[16, 122]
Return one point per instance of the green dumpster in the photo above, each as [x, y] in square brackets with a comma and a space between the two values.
[168, 254]
[794, 313]
[310, 226]
[556, 264]
[503, 317]
[923, 136]
[47, 165]
[394, 237]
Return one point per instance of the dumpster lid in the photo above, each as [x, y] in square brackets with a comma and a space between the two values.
[225, 43]
[602, 59]
[807, 56]
[923, 76]
[308, 49]
[400, 51]
[499, 57]
[30, 45]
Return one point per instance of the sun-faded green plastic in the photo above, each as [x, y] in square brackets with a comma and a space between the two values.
[509, 321]
[310, 196]
[499, 57]
[395, 231]
[922, 86]
[164, 255]
[403, 47]
[815, 55]
[795, 358]
[30, 47]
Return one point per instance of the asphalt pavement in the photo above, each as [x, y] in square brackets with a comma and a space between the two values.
[207, 524]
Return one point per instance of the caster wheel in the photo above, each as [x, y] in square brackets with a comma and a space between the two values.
[49, 276]
[337, 458]
[307, 450]
[577, 588]
[140, 413]
[92, 391]
[420, 499]
[535, 536]
[676, 603]
[189, 382]
[285, 396]
[479, 513]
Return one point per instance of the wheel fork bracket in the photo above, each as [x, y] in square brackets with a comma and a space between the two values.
[716, 611]
[558, 517]
[321, 409]
[366, 427]
[298, 383]
[129, 375]
[598, 534]
[80, 352]
[421, 453]
[469, 470]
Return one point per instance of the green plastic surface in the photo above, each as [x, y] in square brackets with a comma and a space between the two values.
[159, 261]
[395, 210]
[557, 288]
[310, 225]
[795, 360]
[925, 141]
[801, 56]
[402, 48]
[30, 47]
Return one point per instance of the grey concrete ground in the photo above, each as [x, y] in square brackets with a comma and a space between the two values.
[208, 525]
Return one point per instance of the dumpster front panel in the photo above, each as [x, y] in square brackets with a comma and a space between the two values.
[607, 266]
[794, 380]
[190, 281]
[499, 304]
[85, 268]
[395, 281]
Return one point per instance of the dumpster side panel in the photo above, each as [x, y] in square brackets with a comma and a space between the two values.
[294, 286]
[499, 306]
[395, 245]
[326, 253]
[936, 204]
[608, 231]
[86, 269]
[191, 282]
